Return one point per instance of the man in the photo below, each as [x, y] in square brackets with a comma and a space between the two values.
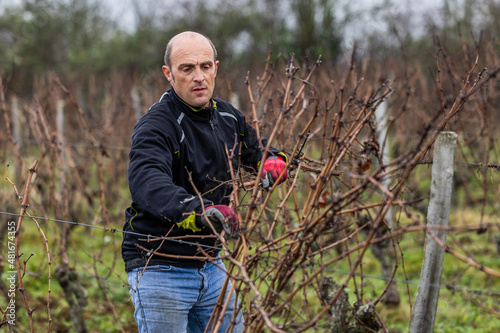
[177, 156]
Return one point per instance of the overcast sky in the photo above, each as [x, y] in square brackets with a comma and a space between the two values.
[123, 11]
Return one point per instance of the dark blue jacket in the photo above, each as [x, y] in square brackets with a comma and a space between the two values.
[171, 141]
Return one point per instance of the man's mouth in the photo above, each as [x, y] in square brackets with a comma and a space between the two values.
[199, 89]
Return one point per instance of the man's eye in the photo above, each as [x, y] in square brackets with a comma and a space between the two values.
[186, 69]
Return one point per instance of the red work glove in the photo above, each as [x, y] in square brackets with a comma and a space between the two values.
[222, 218]
[274, 166]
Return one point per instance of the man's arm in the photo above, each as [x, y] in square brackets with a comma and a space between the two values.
[151, 178]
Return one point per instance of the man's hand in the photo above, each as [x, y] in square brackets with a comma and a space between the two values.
[222, 218]
[274, 166]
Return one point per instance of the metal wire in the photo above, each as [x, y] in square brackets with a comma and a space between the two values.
[488, 292]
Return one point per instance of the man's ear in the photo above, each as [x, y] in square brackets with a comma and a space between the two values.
[168, 73]
[216, 66]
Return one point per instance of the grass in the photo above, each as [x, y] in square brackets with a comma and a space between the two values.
[458, 311]
[84, 244]
[466, 295]
[465, 308]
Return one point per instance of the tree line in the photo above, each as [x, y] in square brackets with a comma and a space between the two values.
[78, 38]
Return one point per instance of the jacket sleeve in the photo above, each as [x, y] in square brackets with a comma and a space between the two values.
[151, 180]
[251, 153]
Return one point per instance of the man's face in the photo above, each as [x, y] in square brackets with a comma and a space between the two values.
[193, 70]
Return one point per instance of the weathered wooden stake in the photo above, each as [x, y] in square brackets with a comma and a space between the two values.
[61, 131]
[16, 120]
[424, 311]
[382, 115]
[136, 102]
[17, 135]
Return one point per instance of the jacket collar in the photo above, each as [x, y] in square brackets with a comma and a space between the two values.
[196, 113]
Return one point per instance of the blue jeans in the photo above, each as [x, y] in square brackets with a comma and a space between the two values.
[180, 299]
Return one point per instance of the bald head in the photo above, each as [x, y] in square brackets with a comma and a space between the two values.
[183, 36]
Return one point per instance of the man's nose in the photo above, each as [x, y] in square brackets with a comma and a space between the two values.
[198, 75]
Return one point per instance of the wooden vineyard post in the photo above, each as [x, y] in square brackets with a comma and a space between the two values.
[424, 311]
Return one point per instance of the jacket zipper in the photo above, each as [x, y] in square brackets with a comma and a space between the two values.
[217, 144]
